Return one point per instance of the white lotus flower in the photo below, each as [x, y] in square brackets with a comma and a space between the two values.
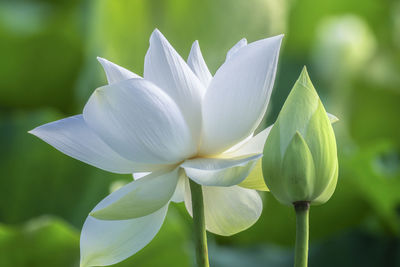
[176, 123]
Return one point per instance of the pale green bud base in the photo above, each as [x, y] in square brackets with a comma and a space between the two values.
[302, 209]
[199, 225]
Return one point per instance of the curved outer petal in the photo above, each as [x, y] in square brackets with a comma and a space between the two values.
[140, 197]
[139, 121]
[255, 179]
[109, 242]
[198, 65]
[252, 146]
[165, 67]
[220, 171]
[332, 118]
[73, 137]
[242, 42]
[228, 210]
[179, 194]
[238, 95]
[114, 72]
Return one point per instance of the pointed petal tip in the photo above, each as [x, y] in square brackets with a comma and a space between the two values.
[195, 44]
[156, 34]
[332, 118]
[101, 60]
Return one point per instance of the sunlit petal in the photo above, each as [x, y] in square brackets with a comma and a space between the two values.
[228, 210]
[140, 122]
[140, 197]
[220, 171]
[114, 72]
[236, 47]
[198, 65]
[73, 137]
[165, 67]
[238, 95]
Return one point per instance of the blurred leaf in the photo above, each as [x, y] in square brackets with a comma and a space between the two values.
[48, 241]
[42, 48]
[44, 241]
[376, 174]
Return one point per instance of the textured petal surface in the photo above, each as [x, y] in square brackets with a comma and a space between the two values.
[238, 95]
[220, 171]
[198, 65]
[140, 197]
[228, 210]
[166, 68]
[114, 72]
[139, 121]
[235, 48]
[109, 242]
[73, 137]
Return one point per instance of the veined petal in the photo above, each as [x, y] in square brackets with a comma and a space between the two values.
[139, 121]
[238, 95]
[236, 47]
[140, 197]
[228, 210]
[198, 65]
[166, 68]
[114, 72]
[109, 242]
[220, 171]
[74, 138]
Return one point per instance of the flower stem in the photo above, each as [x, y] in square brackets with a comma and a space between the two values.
[199, 225]
[301, 250]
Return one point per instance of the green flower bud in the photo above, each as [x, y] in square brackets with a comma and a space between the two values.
[300, 158]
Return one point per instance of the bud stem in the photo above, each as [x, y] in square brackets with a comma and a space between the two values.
[199, 225]
[301, 250]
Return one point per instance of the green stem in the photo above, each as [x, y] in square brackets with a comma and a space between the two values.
[301, 250]
[199, 225]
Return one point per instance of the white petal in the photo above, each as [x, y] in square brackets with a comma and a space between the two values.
[332, 118]
[138, 175]
[198, 65]
[179, 194]
[109, 242]
[73, 137]
[228, 210]
[238, 95]
[140, 197]
[219, 171]
[114, 72]
[165, 67]
[235, 48]
[140, 122]
[253, 145]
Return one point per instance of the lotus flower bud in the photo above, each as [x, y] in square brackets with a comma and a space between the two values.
[300, 158]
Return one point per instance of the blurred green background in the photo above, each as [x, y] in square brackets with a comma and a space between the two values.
[48, 69]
